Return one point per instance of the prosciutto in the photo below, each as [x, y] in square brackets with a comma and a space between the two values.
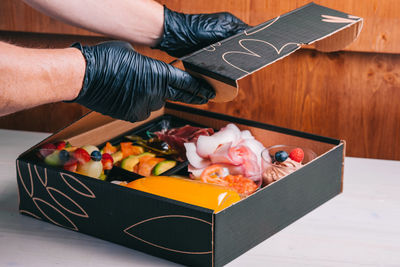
[238, 151]
[176, 137]
[206, 145]
[195, 160]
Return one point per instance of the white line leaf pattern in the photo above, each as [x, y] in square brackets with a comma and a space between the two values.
[262, 28]
[24, 185]
[55, 193]
[44, 182]
[334, 19]
[261, 34]
[40, 202]
[84, 190]
[252, 53]
[212, 48]
[163, 247]
[46, 208]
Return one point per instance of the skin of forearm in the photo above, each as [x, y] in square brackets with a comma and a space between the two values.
[31, 77]
[136, 21]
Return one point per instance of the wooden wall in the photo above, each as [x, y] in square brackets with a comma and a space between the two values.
[351, 95]
[380, 33]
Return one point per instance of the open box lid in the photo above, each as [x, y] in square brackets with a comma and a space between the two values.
[224, 63]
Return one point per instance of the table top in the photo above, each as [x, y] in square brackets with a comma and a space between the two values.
[360, 227]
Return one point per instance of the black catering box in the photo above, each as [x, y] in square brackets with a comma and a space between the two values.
[178, 231]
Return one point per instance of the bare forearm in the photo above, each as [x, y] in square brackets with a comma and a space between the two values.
[137, 21]
[31, 77]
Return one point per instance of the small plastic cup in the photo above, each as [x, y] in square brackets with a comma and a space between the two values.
[267, 156]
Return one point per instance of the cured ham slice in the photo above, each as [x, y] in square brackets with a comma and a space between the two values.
[236, 151]
[255, 146]
[221, 154]
[206, 145]
[176, 137]
[195, 160]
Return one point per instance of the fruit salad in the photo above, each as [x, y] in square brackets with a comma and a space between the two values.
[86, 160]
[90, 161]
[138, 159]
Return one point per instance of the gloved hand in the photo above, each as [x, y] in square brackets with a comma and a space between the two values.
[124, 84]
[185, 33]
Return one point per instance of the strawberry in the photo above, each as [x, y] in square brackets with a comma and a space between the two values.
[107, 161]
[46, 149]
[60, 145]
[71, 165]
[81, 155]
[297, 154]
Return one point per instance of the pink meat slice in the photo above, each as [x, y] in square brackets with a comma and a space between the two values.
[221, 155]
[194, 159]
[176, 137]
[207, 145]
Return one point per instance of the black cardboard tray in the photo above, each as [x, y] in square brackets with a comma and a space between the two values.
[169, 121]
[174, 230]
[118, 173]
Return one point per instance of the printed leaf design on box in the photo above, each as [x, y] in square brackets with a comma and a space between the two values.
[56, 217]
[74, 207]
[161, 224]
[44, 204]
[253, 31]
[231, 56]
[246, 52]
[78, 187]
[44, 179]
[335, 19]
[212, 47]
[25, 177]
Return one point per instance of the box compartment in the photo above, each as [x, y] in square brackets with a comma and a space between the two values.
[162, 122]
[167, 228]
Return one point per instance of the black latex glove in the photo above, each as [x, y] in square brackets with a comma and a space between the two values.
[185, 33]
[124, 84]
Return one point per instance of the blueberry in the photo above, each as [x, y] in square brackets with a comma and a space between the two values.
[281, 156]
[96, 155]
[64, 155]
[164, 146]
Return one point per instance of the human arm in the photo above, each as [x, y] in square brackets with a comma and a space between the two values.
[137, 21]
[144, 22]
[31, 77]
[111, 78]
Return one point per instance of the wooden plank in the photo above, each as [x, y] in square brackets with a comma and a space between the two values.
[380, 32]
[18, 16]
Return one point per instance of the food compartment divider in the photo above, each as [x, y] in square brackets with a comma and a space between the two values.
[118, 173]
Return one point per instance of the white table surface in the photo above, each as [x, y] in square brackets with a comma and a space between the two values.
[360, 227]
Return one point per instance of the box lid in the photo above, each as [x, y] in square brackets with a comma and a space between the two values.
[224, 63]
